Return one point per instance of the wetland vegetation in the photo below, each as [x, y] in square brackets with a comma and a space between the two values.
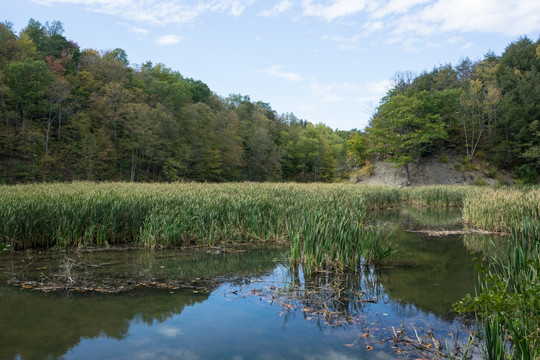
[355, 257]
[325, 225]
[318, 229]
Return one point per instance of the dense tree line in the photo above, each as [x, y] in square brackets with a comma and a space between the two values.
[488, 110]
[72, 114]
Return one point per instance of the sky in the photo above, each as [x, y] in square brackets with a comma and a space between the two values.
[324, 61]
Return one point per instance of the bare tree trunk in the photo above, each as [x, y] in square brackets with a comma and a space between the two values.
[59, 121]
[48, 131]
[476, 145]
[407, 173]
[133, 165]
[4, 110]
[466, 137]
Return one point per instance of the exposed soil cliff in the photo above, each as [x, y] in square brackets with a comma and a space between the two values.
[443, 169]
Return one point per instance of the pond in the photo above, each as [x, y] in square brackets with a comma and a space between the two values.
[238, 303]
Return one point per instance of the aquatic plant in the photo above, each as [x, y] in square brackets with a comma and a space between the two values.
[498, 209]
[508, 299]
[438, 195]
[324, 224]
[327, 220]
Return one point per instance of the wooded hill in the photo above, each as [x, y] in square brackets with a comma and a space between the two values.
[71, 114]
[488, 110]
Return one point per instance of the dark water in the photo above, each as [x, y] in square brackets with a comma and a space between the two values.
[241, 305]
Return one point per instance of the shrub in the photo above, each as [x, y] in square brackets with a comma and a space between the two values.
[368, 168]
[526, 175]
[444, 159]
[480, 182]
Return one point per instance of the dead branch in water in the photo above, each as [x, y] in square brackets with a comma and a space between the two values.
[429, 349]
[455, 232]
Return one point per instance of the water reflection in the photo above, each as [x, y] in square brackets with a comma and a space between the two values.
[256, 308]
[412, 218]
[38, 325]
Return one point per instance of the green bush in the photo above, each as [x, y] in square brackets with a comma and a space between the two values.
[480, 182]
[526, 175]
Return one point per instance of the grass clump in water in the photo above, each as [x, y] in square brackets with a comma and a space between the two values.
[498, 209]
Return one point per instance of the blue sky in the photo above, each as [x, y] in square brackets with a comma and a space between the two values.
[325, 61]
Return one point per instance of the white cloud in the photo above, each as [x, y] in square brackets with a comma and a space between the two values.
[162, 352]
[372, 93]
[410, 24]
[353, 42]
[280, 7]
[158, 12]
[414, 22]
[231, 7]
[420, 17]
[372, 26]
[427, 17]
[344, 43]
[305, 107]
[279, 71]
[138, 31]
[334, 10]
[332, 92]
[378, 87]
[454, 39]
[509, 17]
[383, 9]
[170, 39]
[169, 331]
[467, 45]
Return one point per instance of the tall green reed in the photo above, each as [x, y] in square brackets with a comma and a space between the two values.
[324, 224]
[508, 297]
[498, 209]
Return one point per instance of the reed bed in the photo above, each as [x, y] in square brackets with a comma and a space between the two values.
[438, 195]
[498, 209]
[324, 224]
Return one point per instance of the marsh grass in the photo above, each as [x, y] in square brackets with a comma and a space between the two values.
[439, 196]
[498, 209]
[325, 225]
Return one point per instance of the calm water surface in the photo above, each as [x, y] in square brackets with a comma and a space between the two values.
[237, 306]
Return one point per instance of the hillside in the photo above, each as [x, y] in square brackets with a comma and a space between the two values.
[446, 168]
[70, 114]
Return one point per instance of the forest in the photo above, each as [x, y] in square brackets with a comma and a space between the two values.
[81, 114]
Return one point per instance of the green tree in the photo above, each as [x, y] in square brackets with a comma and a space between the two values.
[141, 136]
[229, 143]
[518, 79]
[8, 44]
[89, 148]
[58, 93]
[357, 150]
[198, 132]
[479, 103]
[28, 82]
[307, 151]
